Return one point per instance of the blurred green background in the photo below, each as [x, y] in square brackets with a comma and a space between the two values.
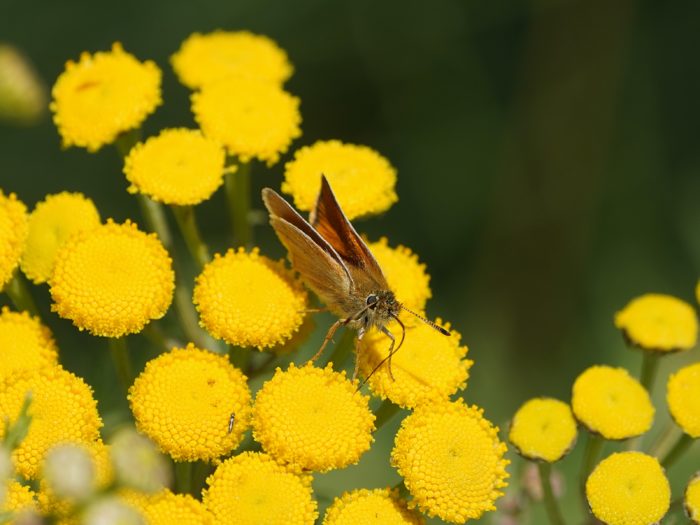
[547, 151]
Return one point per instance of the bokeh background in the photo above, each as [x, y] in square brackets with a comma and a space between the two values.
[548, 155]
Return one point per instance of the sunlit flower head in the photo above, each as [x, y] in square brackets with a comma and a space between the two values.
[659, 322]
[183, 401]
[166, 508]
[371, 507]
[628, 488]
[51, 223]
[112, 280]
[252, 488]
[312, 419]
[251, 118]
[691, 499]
[203, 59]
[683, 397]
[247, 300]
[55, 394]
[13, 234]
[103, 95]
[26, 344]
[363, 181]
[610, 402]
[179, 166]
[137, 463]
[18, 498]
[543, 429]
[451, 460]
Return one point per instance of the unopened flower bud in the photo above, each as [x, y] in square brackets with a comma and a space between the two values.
[22, 93]
[111, 511]
[70, 471]
[137, 462]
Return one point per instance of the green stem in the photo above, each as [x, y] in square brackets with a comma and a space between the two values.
[594, 445]
[127, 140]
[682, 444]
[238, 196]
[122, 361]
[650, 365]
[386, 411]
[155, 218]
[239, 356]
[342, 350]
[265, 365]
[188, 226]
[183, 476]
[662, 438]
[18, 292]
[550, 501]
[153, 332]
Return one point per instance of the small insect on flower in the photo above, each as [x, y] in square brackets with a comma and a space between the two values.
[231, 419]
[338, 266]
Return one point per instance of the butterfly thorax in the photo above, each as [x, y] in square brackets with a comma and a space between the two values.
[378, 309]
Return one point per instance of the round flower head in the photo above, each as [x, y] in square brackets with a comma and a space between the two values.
[363, 181]
[110, 510]
[609, 402]
[371, 507]
[18, 498]
[312, 419]
[247, 300]
[166, 508]
[51, 223]
[659, 323]
[691, 499]
[137, 463]
[55, 393]
[112, 280]
[683, 397]
[252, 488]
[179, 166]
[103, 95]
[22, 91]
[183, 401]
[26, 344]
[13, 234]
[251, 118]
[429, 366]
[628, 488]
[451, 460]
[203, 59]
[543, 429]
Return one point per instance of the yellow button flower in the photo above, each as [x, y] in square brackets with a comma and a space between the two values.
[22, 91]
[451, 460]
[166, 508]
[429, 366]
[249, 300]
[251, 118]
[312, 419]
[543, 429]
[103, 95]
[371, 507]
[55, 394]
[179, 166]
[659, 322]
[203, 59]
[363, 181]
[683, 397]
[183, 401]
[13, 234]
[18, 499]
[628, 488]
[691, 499]
[252, 488]
[51, 223]
[26, 344]
[112, 280]
[610, 402]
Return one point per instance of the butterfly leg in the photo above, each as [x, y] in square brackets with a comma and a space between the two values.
[329, 336]
[314, 310]
[392, 350]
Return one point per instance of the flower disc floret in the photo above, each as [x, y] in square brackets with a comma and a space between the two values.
[252, 488]
[371, 507]
[55, 393]
[18, 498]
[683, 397]
[451, 460]
[103, 95]
[249, 300]
[609, 402]
[26, 344]
[312, 419]
[659, 323]
[251, 118]
[691, 500]
[112, 280]
[543, 429]
[183, 401]
[51, 223]
[13, 234]
[166, 508]
[628, 488]
[179, 166]
[206, 58]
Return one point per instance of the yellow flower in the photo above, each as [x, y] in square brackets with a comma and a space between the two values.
[371, 507]
[312, 419]
[183, 401]
[251, 118]
[112, 280]
[252, 488]
[22, 91]
[609, 402]
[683, 397]
[166, 508]
[692, 499]
[51, 223]
[26, 344]
[179, 166]
[543, 429]
[659, 322]
[13, 234]
[56, 394]
[363, 181]
[429, 366]
[203, 59]
[249, 300]
[451, 460]
[18, 498]
[628, 488]
[103, 95]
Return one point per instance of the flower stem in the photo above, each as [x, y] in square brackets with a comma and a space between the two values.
[550, 502]
[650, 365]
[122, 361]
[18, 292]
[188, 226]
[682, 444]
[594, 445]
[385, 412]
[237, 185]
[154, 216]
[662, 438]
[183, 476]
[239, 356]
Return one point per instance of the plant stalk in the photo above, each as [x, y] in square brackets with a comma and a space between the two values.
[188, 226]
[18, 292]
[122, 361]
[550, 501]
[237, 184]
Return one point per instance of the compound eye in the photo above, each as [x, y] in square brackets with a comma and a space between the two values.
[372, 300]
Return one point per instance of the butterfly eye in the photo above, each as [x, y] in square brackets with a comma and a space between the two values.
[372, 300]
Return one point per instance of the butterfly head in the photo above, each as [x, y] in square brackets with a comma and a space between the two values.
[382, 306]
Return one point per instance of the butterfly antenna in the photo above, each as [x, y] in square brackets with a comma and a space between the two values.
[426, 321]
[392, 352]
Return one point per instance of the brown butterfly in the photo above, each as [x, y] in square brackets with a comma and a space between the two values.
[337, 265]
